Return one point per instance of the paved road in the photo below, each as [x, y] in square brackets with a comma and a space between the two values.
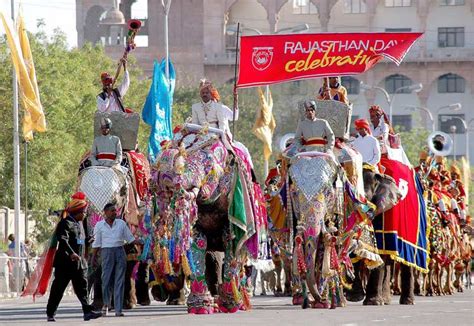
[453, 310]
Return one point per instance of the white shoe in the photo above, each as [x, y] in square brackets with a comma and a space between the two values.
[105, 311]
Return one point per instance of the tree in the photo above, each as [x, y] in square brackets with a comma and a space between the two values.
[69, 82]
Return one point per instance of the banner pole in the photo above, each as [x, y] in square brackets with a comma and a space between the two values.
[16, 171]
[235, 78]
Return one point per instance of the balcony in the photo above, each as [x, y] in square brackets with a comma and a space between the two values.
[418, 53]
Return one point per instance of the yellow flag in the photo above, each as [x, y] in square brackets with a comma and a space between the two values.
[34, 119]
[265, 123]
[466, 177]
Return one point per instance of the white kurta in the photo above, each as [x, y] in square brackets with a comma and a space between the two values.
[212, 113]
[110, 103]
[369, 148]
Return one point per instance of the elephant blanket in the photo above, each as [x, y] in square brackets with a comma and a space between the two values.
[402, 232]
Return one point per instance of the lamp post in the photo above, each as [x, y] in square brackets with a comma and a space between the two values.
[466, 135]
[428, 112]
[412, 88]
[452, 129]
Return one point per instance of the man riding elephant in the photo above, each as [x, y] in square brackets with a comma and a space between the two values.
[314, 134]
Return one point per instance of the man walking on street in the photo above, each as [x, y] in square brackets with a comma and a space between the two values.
[69, 261]
[110, 236]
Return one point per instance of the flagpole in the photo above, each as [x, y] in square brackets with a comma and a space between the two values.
[265, 161]
[235, 78]
[166, 8]
[16, 170]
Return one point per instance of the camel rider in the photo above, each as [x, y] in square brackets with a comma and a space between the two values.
[314, 134]
[110, 99]
[366, 144]
[106, 149]
[209, 110]
[335, 91]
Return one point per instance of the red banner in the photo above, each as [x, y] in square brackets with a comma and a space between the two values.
[270, 59]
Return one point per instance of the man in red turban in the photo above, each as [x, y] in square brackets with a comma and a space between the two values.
[366, 144]
[69, 260]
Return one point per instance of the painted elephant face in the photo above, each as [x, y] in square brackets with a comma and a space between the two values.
[381, 190]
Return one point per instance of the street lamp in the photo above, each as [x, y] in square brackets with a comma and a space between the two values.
[466, 135]
[232, 29]
[294, 29]
[452, 107]
[412, 88]
[414, 108]
[452, 129]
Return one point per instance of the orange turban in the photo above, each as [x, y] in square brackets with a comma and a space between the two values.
[214, 93]
[362, 124]
[455, 170]
[76, 205]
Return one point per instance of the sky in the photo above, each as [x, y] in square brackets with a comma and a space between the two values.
[56, 13]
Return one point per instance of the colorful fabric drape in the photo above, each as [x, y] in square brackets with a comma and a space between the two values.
[34, 119]
[265, 123]
[157, 111]
[39, 280]
[402, 231]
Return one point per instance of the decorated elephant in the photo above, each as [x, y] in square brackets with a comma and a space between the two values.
[126, 185]
[382, 191]
[206, 200]
[402, 236]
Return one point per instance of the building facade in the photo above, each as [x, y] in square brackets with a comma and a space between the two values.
[202, 44]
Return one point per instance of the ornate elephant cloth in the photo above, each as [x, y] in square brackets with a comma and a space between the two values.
[402, 232]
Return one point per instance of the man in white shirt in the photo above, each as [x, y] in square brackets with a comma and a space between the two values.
[110, 235]
[380, 128]
[366, 144]
[110, 99]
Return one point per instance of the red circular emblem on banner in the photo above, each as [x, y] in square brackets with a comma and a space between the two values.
[262, 57]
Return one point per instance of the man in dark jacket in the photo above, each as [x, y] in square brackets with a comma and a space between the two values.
[69, 262]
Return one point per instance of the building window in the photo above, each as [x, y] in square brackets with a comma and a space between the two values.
[451, 2]
[304, 7]
[446, 121]
[398, 30]
[402, 121]
[351, 84]
[450, 37]
[396, 82]
[397, 3]
[451, 83]
[354, 7]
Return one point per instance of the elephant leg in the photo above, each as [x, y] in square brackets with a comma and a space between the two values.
[129, 297]
[96, 281]
[230, 298]
[386, 291]
[141, 285]
[407, 295]
[199, 300]
[417, 289]
[356, 293]
[177, 295]
[214, 261]
[374, 287]
[396, 278]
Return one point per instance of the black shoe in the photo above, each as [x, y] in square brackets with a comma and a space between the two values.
[51, 318]
[92, 315]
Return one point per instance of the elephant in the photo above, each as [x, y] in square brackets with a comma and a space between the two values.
[130, 192]
[207, 200]
[383, 192]
[378, 286]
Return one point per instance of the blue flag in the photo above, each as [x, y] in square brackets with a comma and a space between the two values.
[157, 111]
